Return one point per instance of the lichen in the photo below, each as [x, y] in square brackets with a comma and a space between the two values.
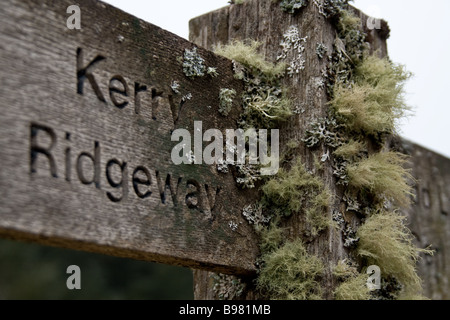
[374, 102]
[293, 44]
[353, 285]
[293, 6]
[227, 287]
[193, 64]
[383, 175]
[331, 8]
[212, 71]
[387, 242]
[247, 55]
[254, 215]
[264, 102]
[290, 273]
[355, 288]
[175, 86]
[351, 150]
[226, 97]
[321, 50]
[324, 130]
[296, 190]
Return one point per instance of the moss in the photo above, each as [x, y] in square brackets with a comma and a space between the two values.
[375, 101]
[382, 175]
[386, 241]
[354, 288]
[226, 97]
[297, 190]
[290, 273]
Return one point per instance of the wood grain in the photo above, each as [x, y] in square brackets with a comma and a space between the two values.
[265, 22]
[85, 140]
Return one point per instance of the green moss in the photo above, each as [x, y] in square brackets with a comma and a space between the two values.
[382, 175]
[386, 241]
[297, 190]
[375, 101]
[354, 288]
[290, 273]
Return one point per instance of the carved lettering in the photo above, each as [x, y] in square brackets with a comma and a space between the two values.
[162, 187]
[36, 149]
[143, 181]
[86, 72]
[117, 185]
[114, 89]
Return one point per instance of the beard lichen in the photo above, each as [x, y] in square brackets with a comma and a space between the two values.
[298, 191]
[264, 101]
[387, 242]
[291, 273]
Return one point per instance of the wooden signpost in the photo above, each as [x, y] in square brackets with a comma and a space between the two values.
[85, 140]
[87, 116]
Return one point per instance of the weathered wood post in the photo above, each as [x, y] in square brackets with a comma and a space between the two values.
[265, 22]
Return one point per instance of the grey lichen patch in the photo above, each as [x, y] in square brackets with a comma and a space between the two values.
[193, 64]
[227, 287]
[248, 175]
[226, 97]
[212, 71]
[321, 50]
[253, 213]
[293, 6]
[175, 86]
[324, 130]
[331, 8]
[293, 45]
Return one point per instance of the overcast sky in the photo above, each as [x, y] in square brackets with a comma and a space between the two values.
[420, 39]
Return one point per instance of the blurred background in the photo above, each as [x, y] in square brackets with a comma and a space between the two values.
[30, 271]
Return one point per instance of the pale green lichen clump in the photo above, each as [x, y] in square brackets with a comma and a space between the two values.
[384, 176]
[387, 242]
[374, 102]
[297, 191]
[291, 273]
[264, 101]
